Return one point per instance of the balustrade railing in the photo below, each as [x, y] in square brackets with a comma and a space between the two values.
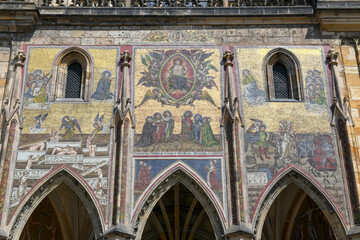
[167, 3]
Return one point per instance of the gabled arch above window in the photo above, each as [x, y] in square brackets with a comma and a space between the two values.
[72, 76]
[282, 76]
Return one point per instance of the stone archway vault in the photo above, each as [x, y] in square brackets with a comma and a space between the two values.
[304, 182]
[35, 197]
[178, 175]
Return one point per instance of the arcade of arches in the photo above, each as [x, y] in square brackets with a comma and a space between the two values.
[178, 214]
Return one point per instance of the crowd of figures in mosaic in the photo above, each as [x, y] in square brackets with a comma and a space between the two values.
[269, 152]
[36, 89]
[186, 85]
[159, 128]
[315, 91]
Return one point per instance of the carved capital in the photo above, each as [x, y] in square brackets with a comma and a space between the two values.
[19, 59]
[332, 56]
[228, 57]
[5, 42]
[126, 57]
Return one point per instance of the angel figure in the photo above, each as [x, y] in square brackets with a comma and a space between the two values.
[200, 95]
[98, 123]
[36, 128]
[70, 125]
[155, 94]
[202, 75]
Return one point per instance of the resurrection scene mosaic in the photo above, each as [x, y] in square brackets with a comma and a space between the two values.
[65, 133]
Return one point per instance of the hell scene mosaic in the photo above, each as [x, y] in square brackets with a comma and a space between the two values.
[209, 170]
[74, 134]
[283, 136]
[177, 100]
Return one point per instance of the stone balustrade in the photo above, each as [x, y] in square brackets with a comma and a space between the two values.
[171, 3]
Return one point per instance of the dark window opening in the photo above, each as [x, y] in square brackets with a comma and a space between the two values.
[73, 81]
[282, 87]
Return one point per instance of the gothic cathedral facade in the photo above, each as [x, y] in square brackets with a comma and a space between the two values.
[179, 119]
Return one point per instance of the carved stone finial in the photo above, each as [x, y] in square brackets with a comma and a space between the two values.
[126, 57]
[19, 59]
[332, 56]
[228, 57]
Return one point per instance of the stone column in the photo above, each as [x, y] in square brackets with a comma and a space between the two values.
[12, 99]
[5, 52]
[125, 88]
[120, 230]
[18, 65]
[332, 58]
[229, 79]
[237, 229]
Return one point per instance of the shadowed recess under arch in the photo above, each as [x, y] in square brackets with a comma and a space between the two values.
[65, 183]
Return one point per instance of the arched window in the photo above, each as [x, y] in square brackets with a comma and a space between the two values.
[283, 76]
[72, 76]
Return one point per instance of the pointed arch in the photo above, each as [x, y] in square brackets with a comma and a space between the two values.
[60, 71]
[178, 173]
[293, 174]
[287, 61]
[43, 189]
